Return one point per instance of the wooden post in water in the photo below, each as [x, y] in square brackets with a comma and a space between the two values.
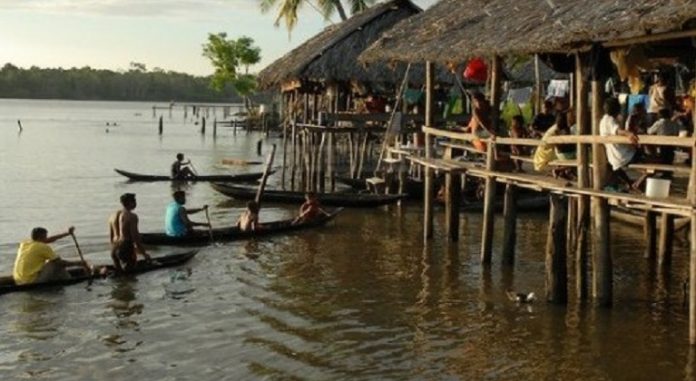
[666, 240]
[161, 126]
[330, 162]
[583, 202]
[650, 234]
[215, 127]
[602, 282]
[489, 198]
[294, 154]
[203, 126]
[510, 225]
[556, 245]
[264, 178]
[453, 200]
[428, 197]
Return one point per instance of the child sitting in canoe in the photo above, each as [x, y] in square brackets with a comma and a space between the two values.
[249, 220]
[310, 210]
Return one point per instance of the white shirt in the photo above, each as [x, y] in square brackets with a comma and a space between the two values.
[618, 155]
[665, 127]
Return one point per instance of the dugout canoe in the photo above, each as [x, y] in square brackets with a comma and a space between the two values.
[79, 274]
[345, 200]
[240, 178]
[202, 237]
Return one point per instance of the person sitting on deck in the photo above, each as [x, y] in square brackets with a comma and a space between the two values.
[310, 210]
[125, 236]
[181, 170]
[664, 126]
[36, 262]
[176, 221]
[249, 220]
[564, 152]
[481, 122]
[543, 121]
[637, 121]
[618, 155]
[517, 131]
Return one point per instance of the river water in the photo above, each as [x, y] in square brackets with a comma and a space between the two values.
[360, 299]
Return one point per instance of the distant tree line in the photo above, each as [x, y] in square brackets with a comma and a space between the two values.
[135, 84]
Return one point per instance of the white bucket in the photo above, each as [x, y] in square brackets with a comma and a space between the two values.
[657, 188]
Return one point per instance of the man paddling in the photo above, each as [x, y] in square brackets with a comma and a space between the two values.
[36, 262]
[176, 221]
[310, 210]
[124, 235]
[181, 170]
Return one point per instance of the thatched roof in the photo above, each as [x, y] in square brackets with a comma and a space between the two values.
[332, 55]
[454, 30]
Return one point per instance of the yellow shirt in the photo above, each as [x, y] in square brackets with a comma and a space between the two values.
[31, 257]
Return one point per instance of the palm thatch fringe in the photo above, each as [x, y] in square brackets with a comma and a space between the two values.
[456, 30]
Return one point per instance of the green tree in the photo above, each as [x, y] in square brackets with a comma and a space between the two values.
[228, 57]
[288, 9]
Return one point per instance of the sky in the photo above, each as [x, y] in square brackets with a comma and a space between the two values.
[109, 34]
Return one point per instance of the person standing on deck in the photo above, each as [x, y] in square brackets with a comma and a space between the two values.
[181, 170]
[125, 236]
[661, 96]
[481, 123]
[176, 221]
[36, 262]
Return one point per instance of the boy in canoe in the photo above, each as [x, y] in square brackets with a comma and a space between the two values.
[249, 220]
[36, 262]
[181, 170]
[125, 236]
[310, 210]
[176, 221]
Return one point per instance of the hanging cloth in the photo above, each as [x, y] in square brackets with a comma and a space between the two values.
[476, 70]
[629, 63]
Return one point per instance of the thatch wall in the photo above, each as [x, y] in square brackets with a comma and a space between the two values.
[332, 55]
[454, 30]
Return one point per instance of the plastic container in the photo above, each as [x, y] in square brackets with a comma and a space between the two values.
[657, 188]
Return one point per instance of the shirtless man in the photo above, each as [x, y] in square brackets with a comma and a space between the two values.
[181, 169]
[124, 235]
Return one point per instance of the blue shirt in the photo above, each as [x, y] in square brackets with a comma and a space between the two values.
[174, 226]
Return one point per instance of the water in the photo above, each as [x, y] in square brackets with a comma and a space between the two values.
[359, 299]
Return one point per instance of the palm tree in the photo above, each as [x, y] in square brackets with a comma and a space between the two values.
[288, 9]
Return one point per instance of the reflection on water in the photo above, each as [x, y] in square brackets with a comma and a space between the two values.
[359, 299]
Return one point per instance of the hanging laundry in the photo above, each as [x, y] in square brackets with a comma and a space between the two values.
[558, 88]
[636, 99]
[520, 96]
[476, 70]
[629, 63]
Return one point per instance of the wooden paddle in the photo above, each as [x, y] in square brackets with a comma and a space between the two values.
[79, 252]
[210, 226]
[262, 186]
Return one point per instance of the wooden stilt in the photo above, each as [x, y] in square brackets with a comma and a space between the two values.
[510, 225]
[583, 202]
[453, 204]
[489, 199]
[666, 240]
[161, 126]
[602, 265]
[330, 162]
[428, 197]
[650, 235]
[556, 272]
[294, 154]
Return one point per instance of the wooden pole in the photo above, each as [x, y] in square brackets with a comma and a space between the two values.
[215, 127]
[602, 286]
[666, 240]
[583, 202]
[537, 85]
[203, 126]
[489, 198]
[286, 116]
[294, 154]
[453, 200]
[330, 162]
[161, 126]
[692, 251]
[556, 272]
[650, 235]
[510, 225]
[428, 196]
[264, 178]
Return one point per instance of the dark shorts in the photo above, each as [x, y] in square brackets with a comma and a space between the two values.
[125, 251]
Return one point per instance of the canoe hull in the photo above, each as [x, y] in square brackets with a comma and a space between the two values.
[234, 234]
[79, 275]
[241, 178]
[345, 200]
